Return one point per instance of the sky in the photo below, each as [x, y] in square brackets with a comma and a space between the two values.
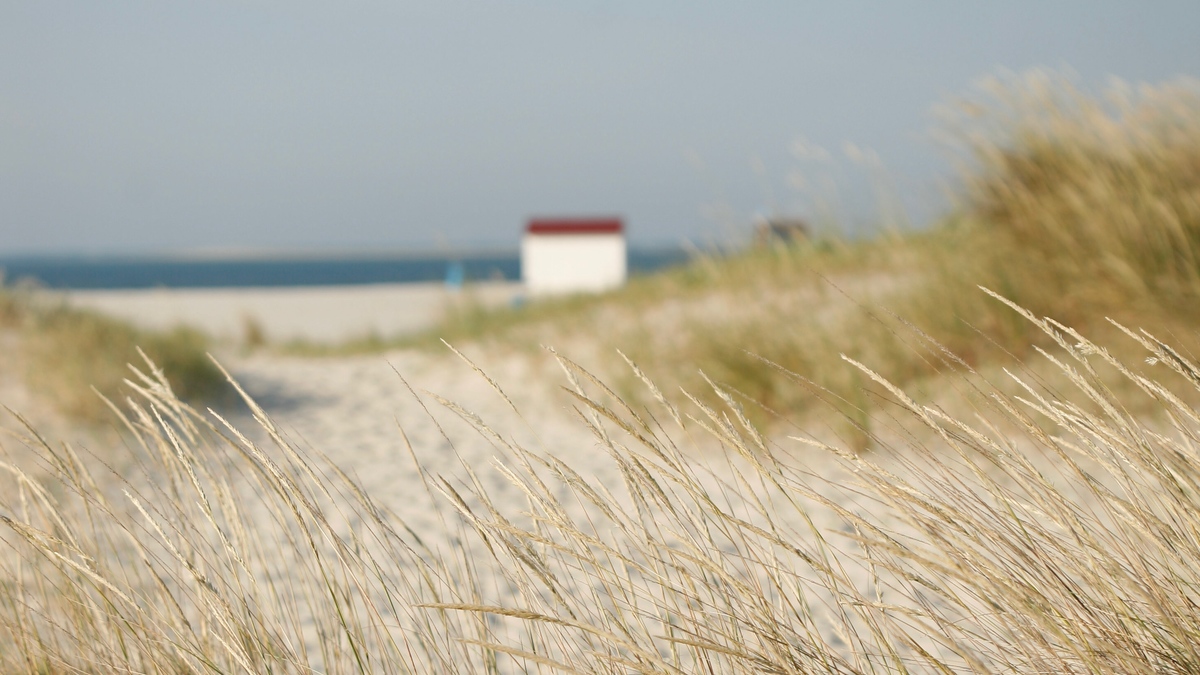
[141, 127]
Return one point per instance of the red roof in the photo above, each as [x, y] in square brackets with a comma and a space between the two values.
[575, 226]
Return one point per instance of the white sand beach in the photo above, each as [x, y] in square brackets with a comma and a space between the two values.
[323, 314]
[360, 413]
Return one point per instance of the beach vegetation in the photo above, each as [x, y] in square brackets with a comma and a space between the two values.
[1077, 204]
[982, 545]
[73, 357]
[1031, 506]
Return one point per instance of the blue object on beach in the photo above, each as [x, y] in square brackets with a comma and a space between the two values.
[455, 275]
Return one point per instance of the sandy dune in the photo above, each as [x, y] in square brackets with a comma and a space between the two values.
[352, 410]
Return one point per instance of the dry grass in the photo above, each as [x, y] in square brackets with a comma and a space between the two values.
[1078, 206]
[66, 352]
[1075, 206]
[1047, 525]
[989, 546]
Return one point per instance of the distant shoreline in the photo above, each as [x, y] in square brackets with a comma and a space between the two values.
[265, 255]
[137, 272]
[239, 255]
[318, 314]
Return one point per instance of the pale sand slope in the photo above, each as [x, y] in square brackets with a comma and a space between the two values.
[350, 407]
[317, 314]
[352, 410]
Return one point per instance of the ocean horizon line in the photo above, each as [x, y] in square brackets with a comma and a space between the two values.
[255, 255]
[333, 269]
[267, 255]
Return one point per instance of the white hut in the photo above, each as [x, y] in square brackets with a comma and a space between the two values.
[573, 255]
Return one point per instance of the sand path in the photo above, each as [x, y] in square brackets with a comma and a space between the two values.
[352, 409]
[357, 410]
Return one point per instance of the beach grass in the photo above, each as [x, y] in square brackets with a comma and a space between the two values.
[989, 546]
[68, 355]
[1032, 506]
[1078, 205]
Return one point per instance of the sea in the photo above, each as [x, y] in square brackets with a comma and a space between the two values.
[82, 272]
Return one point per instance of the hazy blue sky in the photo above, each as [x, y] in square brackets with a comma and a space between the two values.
[359, 124]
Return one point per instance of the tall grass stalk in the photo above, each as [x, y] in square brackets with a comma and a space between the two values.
[1051, 532]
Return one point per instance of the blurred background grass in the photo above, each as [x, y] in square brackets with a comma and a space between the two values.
[65, 352]
[1078, 206]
